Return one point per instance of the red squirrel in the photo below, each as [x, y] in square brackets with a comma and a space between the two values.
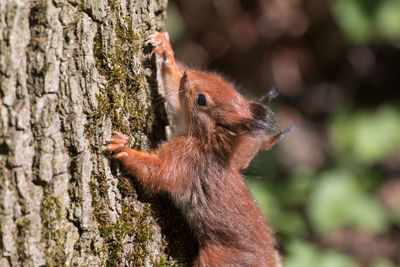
[172, 72]
[199, 168]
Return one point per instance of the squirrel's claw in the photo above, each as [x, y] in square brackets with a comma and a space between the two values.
[152, 40]
[114, 147]
[120, 155]
[161, 46]
[157, 38]
[122, 136]
[117, 143]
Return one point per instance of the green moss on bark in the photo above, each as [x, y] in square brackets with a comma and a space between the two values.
[124, 98]
[23, 224]
[52, 212]
[126, 102]
[130, 222]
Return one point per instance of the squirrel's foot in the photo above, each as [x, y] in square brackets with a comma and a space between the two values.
[117, 145]
[162, 47]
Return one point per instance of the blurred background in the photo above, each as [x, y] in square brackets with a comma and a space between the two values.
[331, 188]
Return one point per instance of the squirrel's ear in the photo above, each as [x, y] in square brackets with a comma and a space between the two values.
[268, 96]
[269, 141]
[262, 117]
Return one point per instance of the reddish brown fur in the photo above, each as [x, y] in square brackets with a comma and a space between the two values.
[247, 145]
[200, 167]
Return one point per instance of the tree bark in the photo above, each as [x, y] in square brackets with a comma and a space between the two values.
[71, 72]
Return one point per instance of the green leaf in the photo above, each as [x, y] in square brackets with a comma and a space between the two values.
[361, 20]
[382, 263]
[376, 135]
[388, 19]
[338, 201]
[303, 254]
[350, 16]
[366, 136]
[290, 223]
[335, 259]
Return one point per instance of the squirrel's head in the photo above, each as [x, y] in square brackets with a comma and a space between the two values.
[211, 105]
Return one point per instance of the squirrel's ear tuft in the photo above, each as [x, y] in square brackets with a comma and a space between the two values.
[263, 117]
[269, 141]
[268, 96]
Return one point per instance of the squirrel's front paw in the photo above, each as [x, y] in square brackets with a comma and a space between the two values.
[117, 145]
[157, 38]
[161, 46]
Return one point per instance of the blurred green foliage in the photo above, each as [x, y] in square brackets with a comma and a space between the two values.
[365, 20]
[340, 195]
[366, 137]
[338, 200]
[304, 254]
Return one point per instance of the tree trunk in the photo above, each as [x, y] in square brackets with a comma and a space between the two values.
[71, 72]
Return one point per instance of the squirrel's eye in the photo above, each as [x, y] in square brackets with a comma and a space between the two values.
[201, 100]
